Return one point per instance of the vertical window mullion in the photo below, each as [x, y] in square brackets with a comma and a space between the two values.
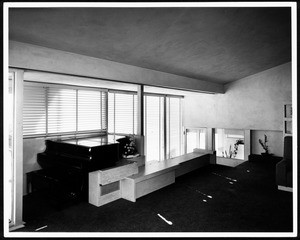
[159, 111]
[114, 113]
[76, 111]
[133, 114]
[145, 124]
[169, 133]
[165, 126]
[185, 141]
[46, 103]
[180, 128]
[100, 110]
[106, 111]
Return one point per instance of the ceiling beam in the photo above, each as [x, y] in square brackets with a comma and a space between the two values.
[27, 56]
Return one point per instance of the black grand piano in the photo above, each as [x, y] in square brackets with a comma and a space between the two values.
[66, 163]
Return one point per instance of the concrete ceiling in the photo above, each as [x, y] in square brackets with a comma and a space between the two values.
[213, 44]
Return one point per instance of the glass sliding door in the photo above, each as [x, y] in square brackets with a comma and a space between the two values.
[174, 127]
[154, 128]
[163, 127]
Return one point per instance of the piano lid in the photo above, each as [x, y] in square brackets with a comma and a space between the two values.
[90, 142]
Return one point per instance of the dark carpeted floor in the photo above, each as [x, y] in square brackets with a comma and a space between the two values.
[243, 199]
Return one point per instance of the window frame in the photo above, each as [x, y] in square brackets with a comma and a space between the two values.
[230, 136]
[198, 141]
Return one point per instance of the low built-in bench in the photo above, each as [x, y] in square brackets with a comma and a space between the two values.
[134, 180]
[104, 185]
[192, 161]
[151, 177]
[156, 175]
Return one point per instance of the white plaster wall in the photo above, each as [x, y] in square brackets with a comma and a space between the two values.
[254, 102]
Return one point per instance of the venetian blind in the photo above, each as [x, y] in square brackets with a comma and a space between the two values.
[91, 110]
[34, 110]
[61, 110]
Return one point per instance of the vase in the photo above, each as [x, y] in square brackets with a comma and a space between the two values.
[266, 156]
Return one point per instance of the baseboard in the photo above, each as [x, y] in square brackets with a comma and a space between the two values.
[283, 188]
[17, 226]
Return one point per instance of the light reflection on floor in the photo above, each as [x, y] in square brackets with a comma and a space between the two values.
[228, 178]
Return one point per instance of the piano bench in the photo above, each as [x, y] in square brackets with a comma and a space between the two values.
[49, 182]
[40, 179]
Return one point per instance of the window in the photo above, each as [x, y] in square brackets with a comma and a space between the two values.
[195, 138]
[122, 113]
[163, 127]
[229, 143]
[51, 110]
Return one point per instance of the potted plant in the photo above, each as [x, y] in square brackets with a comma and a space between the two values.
[127, 147]
[265, 146]
[232, 154]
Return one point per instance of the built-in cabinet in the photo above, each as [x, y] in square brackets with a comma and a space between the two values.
[287, 119]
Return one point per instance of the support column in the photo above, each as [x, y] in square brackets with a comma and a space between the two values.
[165, 128]
[140, 119]
[211, 145]
[210, 139]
